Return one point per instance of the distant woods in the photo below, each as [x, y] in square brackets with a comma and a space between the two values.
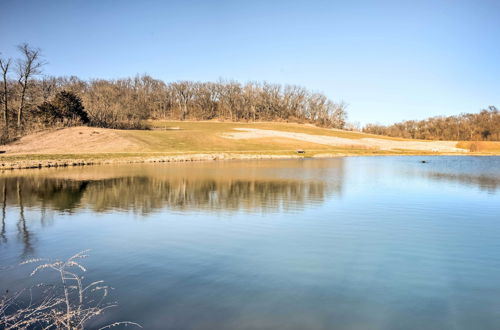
[482, 126]
[111, 103]
[32, 101]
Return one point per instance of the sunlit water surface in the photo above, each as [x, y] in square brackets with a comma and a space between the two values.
[347, 243]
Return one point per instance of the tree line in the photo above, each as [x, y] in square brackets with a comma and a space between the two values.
[482, 126]
[31, 100]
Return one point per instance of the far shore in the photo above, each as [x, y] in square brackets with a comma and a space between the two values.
[189, 141]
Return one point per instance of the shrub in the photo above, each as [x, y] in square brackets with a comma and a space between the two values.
[66, 108]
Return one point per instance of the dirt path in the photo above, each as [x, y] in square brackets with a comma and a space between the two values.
[372, 143]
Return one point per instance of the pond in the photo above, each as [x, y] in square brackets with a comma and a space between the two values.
[342, 243]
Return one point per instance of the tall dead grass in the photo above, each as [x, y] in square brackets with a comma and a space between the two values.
[69, 304]
[480, 146]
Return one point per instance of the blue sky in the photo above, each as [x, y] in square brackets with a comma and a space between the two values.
[389, 60]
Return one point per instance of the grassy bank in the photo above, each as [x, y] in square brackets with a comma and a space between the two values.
[26, 161]
[172, 141]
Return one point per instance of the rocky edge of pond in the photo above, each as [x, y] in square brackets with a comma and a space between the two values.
[8, 165]
[33, 164]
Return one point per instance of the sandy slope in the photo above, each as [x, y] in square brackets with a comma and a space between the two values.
[382, 144]
[72, 140]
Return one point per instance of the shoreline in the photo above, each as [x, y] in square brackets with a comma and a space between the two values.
[194, 141]
[54, 161]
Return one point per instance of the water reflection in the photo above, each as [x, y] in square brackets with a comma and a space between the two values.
[3, 236]
[228, 187]
[484, 182]
[363, 240]
[263, 187]
[480, 172]
[187, 194]
[266, 186]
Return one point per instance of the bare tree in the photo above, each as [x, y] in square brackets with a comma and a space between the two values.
[28, 66]
[184, 93]
[4, 66]
[484, 125]
[126, 103]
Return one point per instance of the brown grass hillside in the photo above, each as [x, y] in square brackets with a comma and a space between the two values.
[207, 137]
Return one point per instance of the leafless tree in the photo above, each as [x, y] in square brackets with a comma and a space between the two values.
[126, 103]
[183, 92]
[482, 126]
[29, 65]
[4, 66]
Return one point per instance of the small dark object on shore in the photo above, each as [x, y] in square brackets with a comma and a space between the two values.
[423, 161]
[300, 151]
[2, 151]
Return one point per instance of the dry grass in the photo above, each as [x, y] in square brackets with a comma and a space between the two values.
[342, 142]
[79, 139]
[492, 147]
[206, 140]
[70, 305]
[196, 137]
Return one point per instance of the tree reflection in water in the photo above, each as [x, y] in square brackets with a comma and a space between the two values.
[3, 236]
[23, 232]
[266, 187]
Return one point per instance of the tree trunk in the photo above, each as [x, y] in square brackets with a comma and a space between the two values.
[5, 104]
[21, 106]
[184, 111]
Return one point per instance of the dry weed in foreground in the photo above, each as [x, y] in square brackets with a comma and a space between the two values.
[68, 305]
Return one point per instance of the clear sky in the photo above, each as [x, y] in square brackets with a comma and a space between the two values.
[389, 60]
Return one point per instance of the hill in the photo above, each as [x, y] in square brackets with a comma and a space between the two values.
[185, 140]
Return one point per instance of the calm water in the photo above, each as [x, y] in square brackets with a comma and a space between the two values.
[348, 243]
